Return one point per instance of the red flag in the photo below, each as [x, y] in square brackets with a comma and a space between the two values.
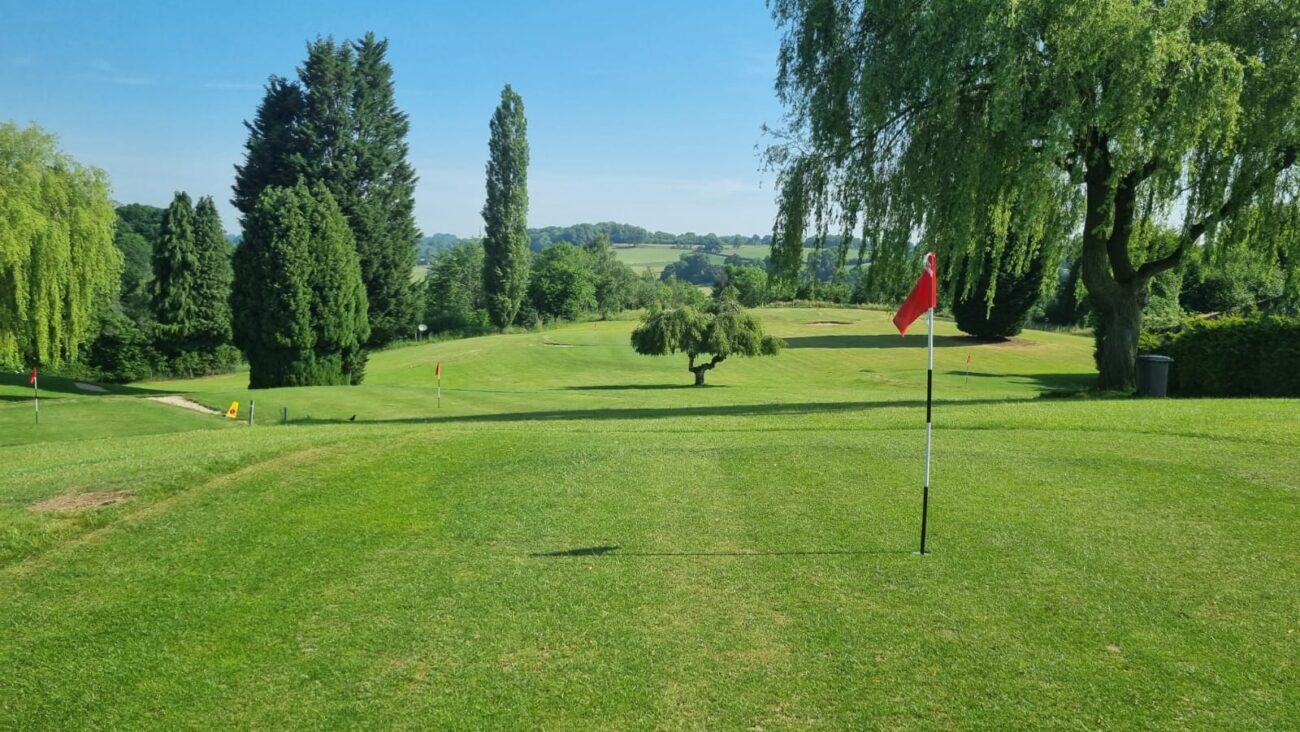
[32, 379]
[924, 296]
[437, 370]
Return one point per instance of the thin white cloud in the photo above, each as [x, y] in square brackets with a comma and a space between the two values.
[106, 73]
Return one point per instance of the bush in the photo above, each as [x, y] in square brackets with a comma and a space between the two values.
[1013, 295]
[1237, 357]
[121, 351]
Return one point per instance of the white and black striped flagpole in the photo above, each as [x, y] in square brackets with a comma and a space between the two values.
[929, 393]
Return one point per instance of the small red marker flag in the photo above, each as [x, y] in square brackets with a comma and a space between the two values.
[924, 295]
[32, 379]
[437, 370]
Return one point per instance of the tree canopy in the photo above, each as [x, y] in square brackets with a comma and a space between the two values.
[720, 329]
[57, 258]
[912, 123]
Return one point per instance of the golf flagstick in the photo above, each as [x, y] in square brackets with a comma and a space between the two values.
[923, 299]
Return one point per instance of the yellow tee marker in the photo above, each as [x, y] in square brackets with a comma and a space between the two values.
[233, 412]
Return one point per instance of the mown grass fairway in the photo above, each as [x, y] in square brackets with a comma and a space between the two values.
[576, 539]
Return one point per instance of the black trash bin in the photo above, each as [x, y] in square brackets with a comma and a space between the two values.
[1153, 375]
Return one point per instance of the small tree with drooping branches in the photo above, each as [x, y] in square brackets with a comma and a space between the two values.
[719, 330]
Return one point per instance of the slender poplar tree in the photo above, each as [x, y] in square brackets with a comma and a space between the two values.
[506, 252]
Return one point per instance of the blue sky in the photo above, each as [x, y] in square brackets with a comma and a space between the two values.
[642, 112]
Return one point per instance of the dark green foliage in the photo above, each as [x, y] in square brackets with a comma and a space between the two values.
[175, 273]
[134, 236]
[998, 310]
[122, 351]
[506, 244]
[1234, 280]
[615, 282]
[697, 269]
[339, 126]
[298, 300]
[1236, 357]
[563, 283]
[454, 297]
[750, 283]
[1069, 304]
[273, 151]
[720, 329]
[212, 280]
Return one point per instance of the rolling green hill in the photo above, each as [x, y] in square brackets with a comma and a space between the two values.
[577, 539]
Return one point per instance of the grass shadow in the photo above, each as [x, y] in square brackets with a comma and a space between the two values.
[53, 387]
[641, 387]
[718, 410]
[614, 551]
[877, 341]
[1048, 383]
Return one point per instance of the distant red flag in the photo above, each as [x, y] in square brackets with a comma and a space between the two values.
[32, 379]
[924, 296]
[437, 370]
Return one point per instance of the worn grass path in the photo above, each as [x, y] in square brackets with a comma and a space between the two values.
[542, 553]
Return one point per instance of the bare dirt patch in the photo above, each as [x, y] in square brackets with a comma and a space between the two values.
[830, 322]
[73, 502]
[183, 403]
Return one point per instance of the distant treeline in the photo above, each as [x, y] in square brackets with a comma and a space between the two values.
[618, 234]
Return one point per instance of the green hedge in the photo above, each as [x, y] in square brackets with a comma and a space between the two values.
[1256, 356]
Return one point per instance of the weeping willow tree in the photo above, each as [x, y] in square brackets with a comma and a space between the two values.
[955, 124]
[57, 257]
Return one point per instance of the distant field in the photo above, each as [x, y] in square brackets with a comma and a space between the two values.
[576, 539]
[657, 256]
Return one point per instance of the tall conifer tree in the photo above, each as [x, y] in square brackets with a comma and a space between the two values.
[298, 299]
[212, 282]
[506, 252]
[175, 269]
[339, 126]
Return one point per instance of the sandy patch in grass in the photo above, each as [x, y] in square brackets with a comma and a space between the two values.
[73, 502]
[183, 403]
[830, 322]
[92, 388]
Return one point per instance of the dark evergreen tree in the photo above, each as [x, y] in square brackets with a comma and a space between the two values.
[383, 216]
[988, 309]
[175, 271]
[271, 298]
[273, 151]
[338, 294]
[339, 126]
[299, 302]
[212, 281]
[506, 242]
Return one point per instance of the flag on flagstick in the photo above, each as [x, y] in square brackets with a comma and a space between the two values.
[437, 372]
[923, 299]
[36, 394]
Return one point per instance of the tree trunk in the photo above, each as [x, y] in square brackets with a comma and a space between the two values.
[699, 375]
[699, 370]
[1117, 351]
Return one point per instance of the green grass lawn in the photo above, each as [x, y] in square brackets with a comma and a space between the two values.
[576, 539]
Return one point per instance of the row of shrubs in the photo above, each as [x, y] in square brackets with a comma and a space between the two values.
[1235, 356]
